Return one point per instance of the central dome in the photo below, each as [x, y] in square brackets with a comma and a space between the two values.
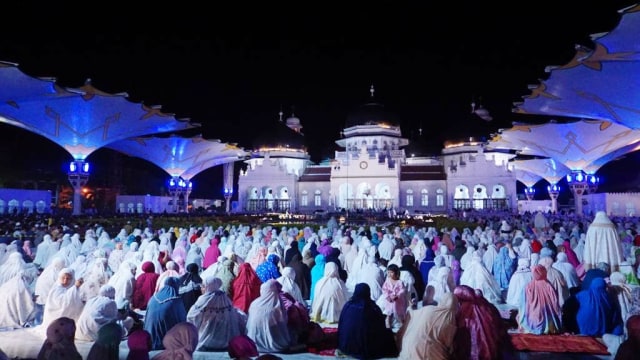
[371, 113]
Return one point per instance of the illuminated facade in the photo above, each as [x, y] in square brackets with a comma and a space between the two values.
[372, 172]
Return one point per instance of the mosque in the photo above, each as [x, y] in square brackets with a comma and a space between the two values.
[374, 170]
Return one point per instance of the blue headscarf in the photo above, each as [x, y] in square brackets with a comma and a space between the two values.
[317, 272]
[269, 269]
[165, 309]
[598, 313]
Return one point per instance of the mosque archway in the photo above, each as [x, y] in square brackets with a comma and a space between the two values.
[345, 195]
[479, 195]
[40, 206]
[2, 204]
[14, 206]
[27, 206]
[498, 192]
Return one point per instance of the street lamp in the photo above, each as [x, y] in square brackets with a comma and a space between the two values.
[179, 187]
[579, 185]
[228, 193]
[592, 183]
[554, 191]
[529, 192]
[78, 176]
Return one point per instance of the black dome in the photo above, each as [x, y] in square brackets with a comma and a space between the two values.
[371, 114]
[279, 135]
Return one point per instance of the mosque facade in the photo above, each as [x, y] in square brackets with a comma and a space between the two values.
[373, 171]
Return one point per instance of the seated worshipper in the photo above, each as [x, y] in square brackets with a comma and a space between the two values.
[394, 300]
[179, 343]
[411, 277]
[303, 275]
[98, 311]
[269, 269]
[301, 329]
[602, 270]
[245, 287]
[226, 272]
[107, 343]
[372, 275]
[428, 332]
[145, 286]
[45, 282]
[215, 317]
[602, 243]
[478, 277]
[139, 343]
[630, 348]
[267, 320]
[622, 292]
[362, 332]
[17, 308]
[317, 272]
[568, 271]
[426, 264]
[171, 271]
[481, 333]
[518, 282]
[190, 285]
[287, 280]
[504, 265]
[330, 296]
[593, 312]
[555, 278]
[59, 344]
[539, 311]
[242, 347]
[63, 299]
[94, 277]
[124, 281]
[165, 310]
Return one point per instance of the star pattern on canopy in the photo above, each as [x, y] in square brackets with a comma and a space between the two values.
[180, 156]
[580, 145]
[599, 83]
[548, 169]
[81, 120]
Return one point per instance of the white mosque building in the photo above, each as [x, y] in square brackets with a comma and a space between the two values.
[372, 172]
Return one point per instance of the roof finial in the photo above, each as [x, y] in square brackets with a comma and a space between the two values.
[372, 90]
[280, 113]
[293, 108]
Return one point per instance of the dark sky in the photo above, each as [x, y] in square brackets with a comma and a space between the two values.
[233, 68]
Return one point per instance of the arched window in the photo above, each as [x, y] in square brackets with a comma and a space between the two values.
[317, 198]
[409, 197]
[424, 197]
[304, 200]
[439, 197]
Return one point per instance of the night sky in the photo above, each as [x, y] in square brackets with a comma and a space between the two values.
[232, 69]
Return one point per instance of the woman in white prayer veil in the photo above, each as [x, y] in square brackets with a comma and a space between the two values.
[17, 308]
[358, 263]
[215, 317]
[478, 277]
[465, 260]
[63, 299]
[150, 253]
[441, 283]
[98, 311]
[579, 249]
[448, 258]
[47, 279]
[94, 278]
[90, 243]
[397, 258]
[267, 320]
[524, 250]
[386, 247]
[602, 244]
[419, 249]
[438, 262]
[373, 276]
[490, 253]
[330, 295]
[622, 292]
[124, 281]
[44, 251]
[519, 280]
[13, 267]
[287, 280]
[568, 271]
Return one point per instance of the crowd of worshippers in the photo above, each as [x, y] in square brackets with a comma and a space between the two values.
[408, 292]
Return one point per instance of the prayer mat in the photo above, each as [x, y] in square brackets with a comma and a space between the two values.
[328, 346]
[558, 344]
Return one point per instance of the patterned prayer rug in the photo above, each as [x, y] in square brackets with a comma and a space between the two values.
[558, 344]
[327, 347]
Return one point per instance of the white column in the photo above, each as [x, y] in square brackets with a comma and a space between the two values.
[227, 178]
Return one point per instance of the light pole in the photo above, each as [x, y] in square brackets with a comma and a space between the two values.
[554, 191]
[592, 182]
[78, 175]
[578, 183]
[177, 187]
[530, 192]
[228, 193]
